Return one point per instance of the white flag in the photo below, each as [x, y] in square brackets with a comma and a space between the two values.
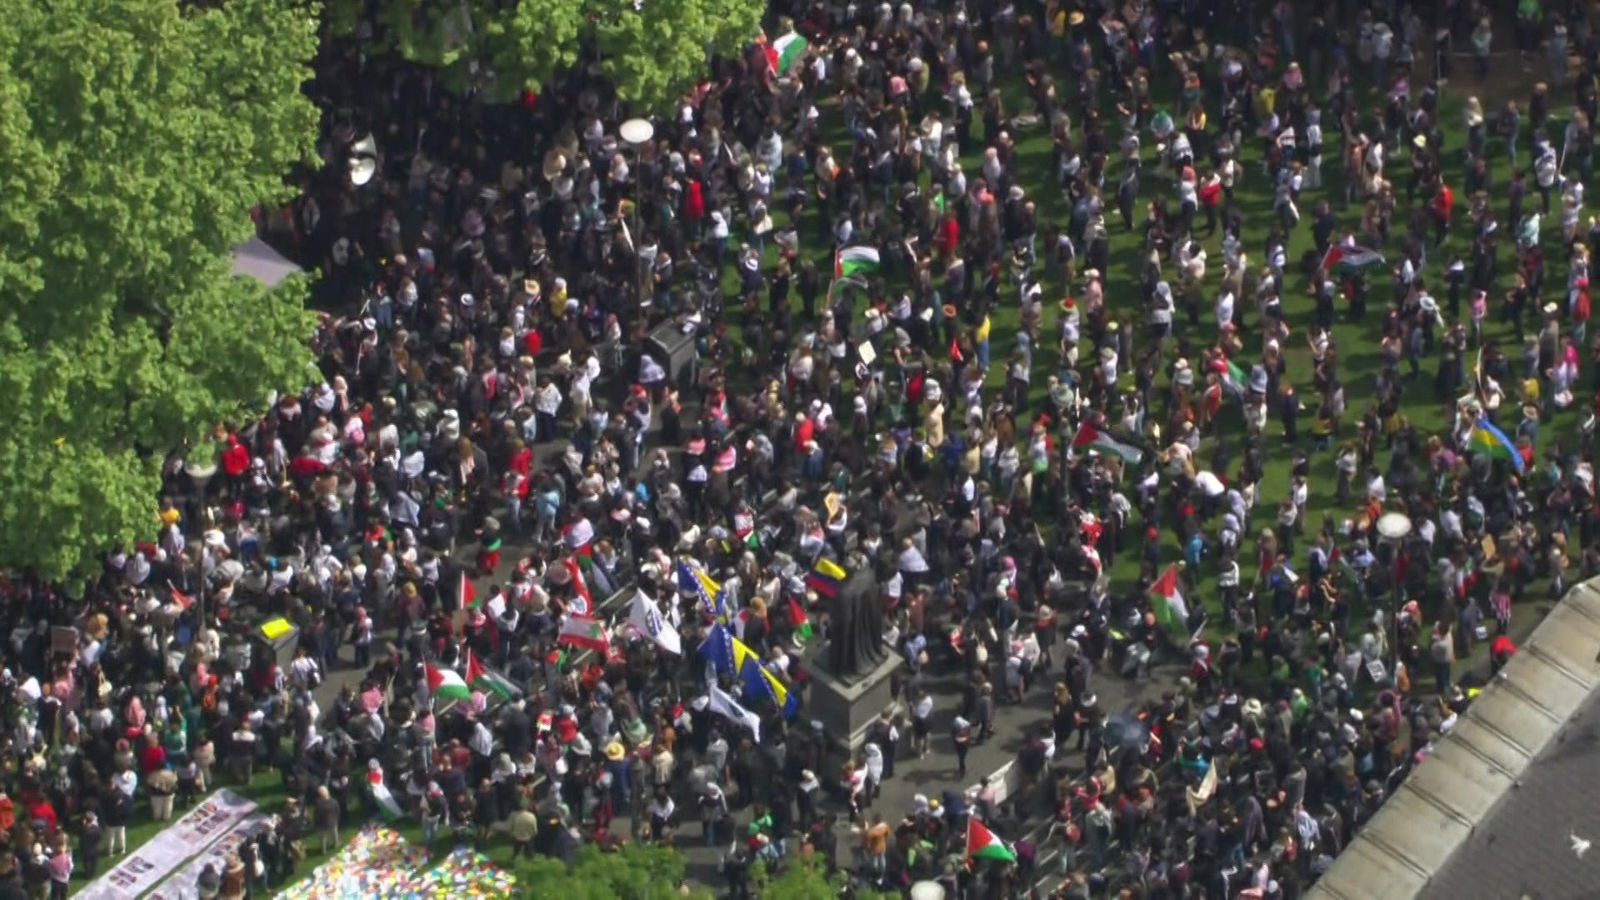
[647, 620]
[730, 708]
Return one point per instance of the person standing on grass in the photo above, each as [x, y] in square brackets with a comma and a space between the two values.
[327, 815]
[60, 866]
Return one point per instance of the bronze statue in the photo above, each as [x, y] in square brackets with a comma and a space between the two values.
[855, 632]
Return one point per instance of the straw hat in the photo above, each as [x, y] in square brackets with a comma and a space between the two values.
[554, 163]
[949, 310]
[1075, 17]
[614, 751]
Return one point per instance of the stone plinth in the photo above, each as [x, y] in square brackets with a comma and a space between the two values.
[846, 708]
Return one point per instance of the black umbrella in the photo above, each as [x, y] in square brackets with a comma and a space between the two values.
[1126, 731]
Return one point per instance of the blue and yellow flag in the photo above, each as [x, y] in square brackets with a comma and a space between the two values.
[713, 599]
[717, 649]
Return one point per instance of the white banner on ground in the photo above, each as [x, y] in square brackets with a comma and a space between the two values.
[181, 885]
[147, 865]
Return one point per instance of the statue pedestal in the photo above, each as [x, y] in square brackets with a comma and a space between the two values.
[846, 708]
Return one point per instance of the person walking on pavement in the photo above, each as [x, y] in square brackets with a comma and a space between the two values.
[961, 737]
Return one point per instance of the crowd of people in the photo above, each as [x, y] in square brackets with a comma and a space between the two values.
[1054, 477]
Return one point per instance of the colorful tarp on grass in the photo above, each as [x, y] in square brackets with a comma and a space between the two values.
[379, 864]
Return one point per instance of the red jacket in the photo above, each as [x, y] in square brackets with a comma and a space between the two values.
[235, 459]
[949, 235]
[1444, 202]
[804, 432]
[694, 203]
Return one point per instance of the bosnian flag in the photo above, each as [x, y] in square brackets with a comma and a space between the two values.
[784, 52]
[985, 844]
[856, 261]
[1350, 258]
[1172, 613]
[585, 632]
[648, 621]
[1092, 438]
[445, 684]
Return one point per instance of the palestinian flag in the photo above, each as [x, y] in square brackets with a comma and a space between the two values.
[856, 261]
[1350, 259]
[1172, 614]
[489, 682]
[581, 602]
[826, 577]
[783, 53]
[466, 594]
[1092, 438]
[387, 806]
[799, 621]
[985, 844]
[445, 684]
[1235, 378]
[582, 631]
[1347, 572]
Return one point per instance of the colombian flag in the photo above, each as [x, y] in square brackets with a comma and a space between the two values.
[826, 577]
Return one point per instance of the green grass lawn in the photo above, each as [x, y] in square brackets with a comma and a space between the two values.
[1357, 341]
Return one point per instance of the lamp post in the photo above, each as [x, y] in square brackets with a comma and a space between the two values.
[1393, 529]
[636, 133]
[200, 474]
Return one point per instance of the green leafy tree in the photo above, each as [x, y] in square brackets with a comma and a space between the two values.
[135, 139]
[634, 872]
[652, 49]
[806, 878]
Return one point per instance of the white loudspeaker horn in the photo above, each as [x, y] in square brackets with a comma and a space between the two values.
[363, 160]
[362, 168]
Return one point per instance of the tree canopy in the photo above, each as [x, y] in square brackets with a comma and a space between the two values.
[135, 139]
[651, 49]
[633, 872]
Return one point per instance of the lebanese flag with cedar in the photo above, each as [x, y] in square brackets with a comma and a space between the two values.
[581, 602]
[582, 631]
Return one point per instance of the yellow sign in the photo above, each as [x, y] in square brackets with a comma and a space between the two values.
[276, 628]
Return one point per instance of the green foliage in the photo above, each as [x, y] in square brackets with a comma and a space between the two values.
[635, 872]
[652, 49]
[806, 878]
[653, 54]
[134, 141]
